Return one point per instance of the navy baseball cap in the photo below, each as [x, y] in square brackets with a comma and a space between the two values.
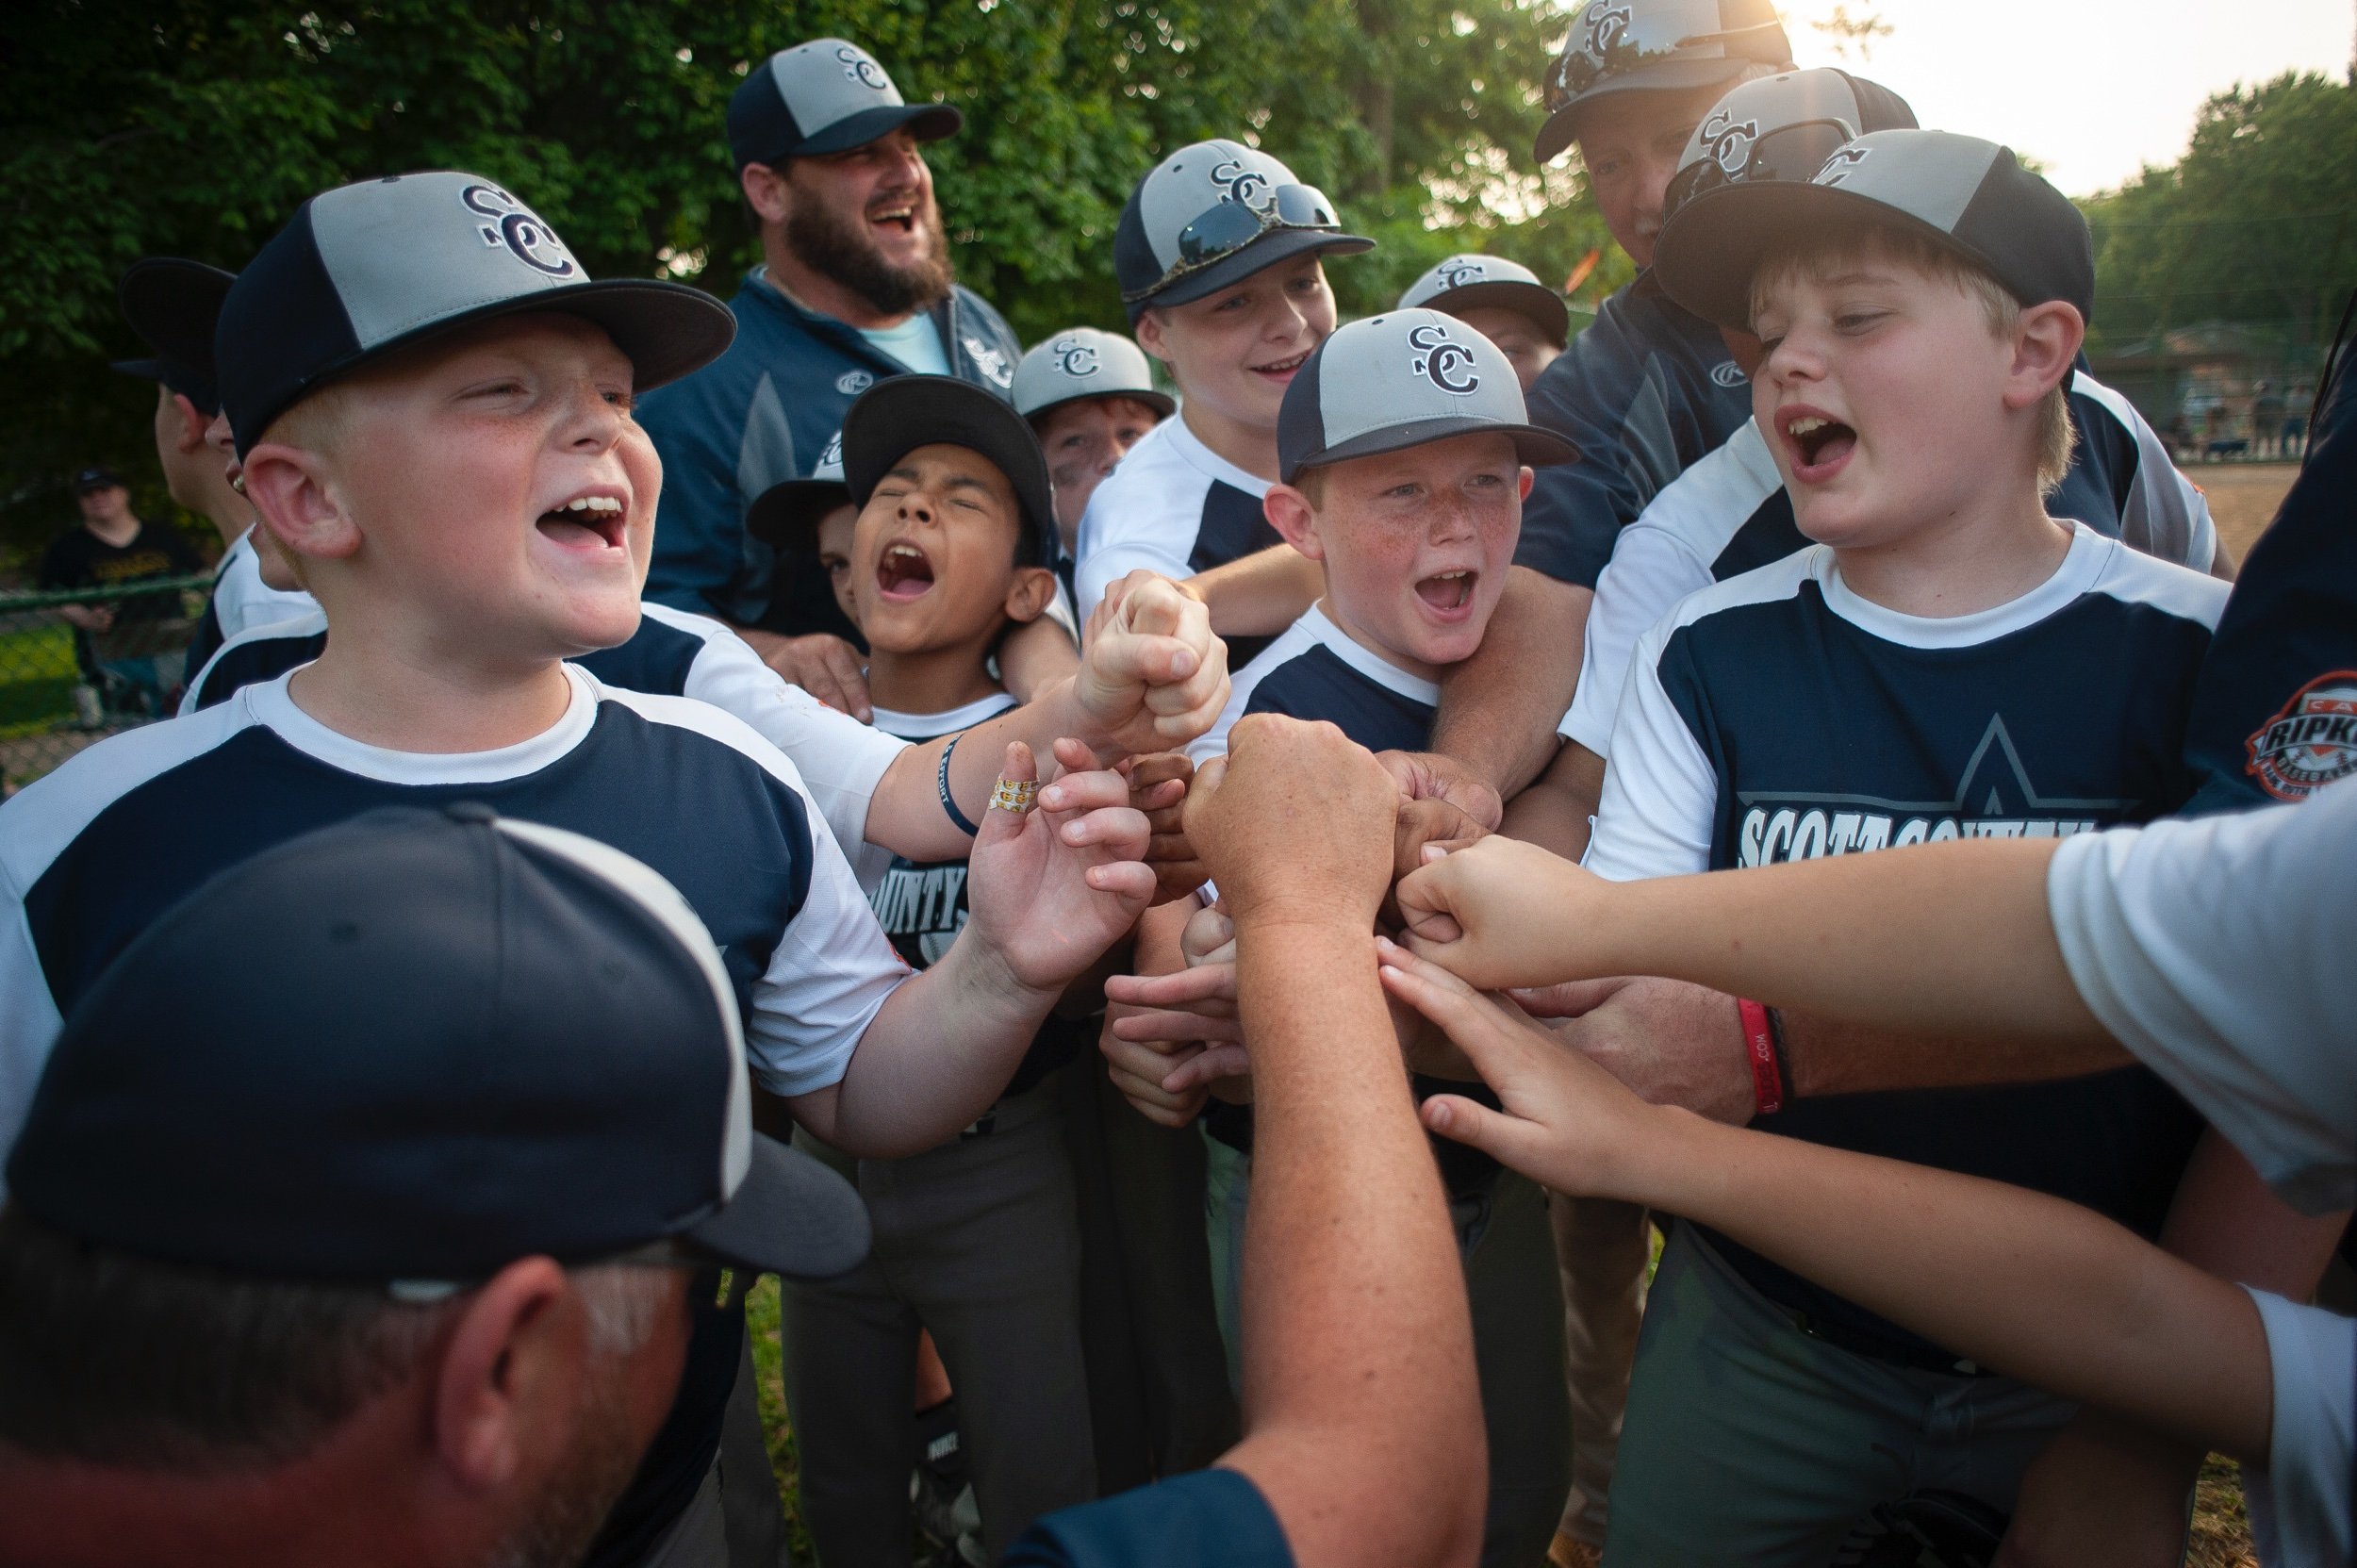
[788, 513]
[1781, 128]
[824, 96]
[1213, 213]
[446, 1041]
[901, 413]
[1470, 282]
[1401, 379]
[1619, 46]
[1970, 196]
[371, 267]
[1082, 362]
[96, 477]
[173, 305]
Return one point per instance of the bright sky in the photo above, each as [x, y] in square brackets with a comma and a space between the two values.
[2093, 89]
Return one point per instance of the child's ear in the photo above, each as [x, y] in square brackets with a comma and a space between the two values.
[2045, 347]
[1030, 593]
[1528, 479]
[192, 424]
[1290, 513]
[295, 500]
[1149, 336]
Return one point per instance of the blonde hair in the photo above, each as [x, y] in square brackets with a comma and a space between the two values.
[1826, 252]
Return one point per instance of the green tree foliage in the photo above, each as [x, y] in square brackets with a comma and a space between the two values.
[2256, 225]
[193, 128]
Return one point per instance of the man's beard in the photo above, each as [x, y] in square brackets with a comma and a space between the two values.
[562, 1522]
[827, 244]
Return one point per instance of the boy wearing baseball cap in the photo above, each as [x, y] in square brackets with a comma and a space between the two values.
[976, 1238]
[1219, 256]
[1404, 457]
[1948, 660]
[1502, 300]
[430, 398]
[1090, 397]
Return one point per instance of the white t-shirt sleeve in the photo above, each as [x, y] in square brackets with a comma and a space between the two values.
[830, 975]
[2219, 950]
[1651, 569]
[2312, 1446]
[1660, 793]
[840, 760]
[29, 1021]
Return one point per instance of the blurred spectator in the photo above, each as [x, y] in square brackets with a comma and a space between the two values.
[118, 643]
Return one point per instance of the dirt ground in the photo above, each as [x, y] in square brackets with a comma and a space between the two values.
[2242, 497]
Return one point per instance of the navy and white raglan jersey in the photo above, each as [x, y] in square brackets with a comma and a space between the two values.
[1644, 391]
[1172, 505]
[839, 760]
[91, 854]
[922, 905]
[1778, 716]
[241, 601]
[1730, 513]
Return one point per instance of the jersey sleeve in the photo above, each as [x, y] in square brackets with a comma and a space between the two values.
[2162, 513]
[830, 975]
[2217, 950]
[1597, 394]
[1651, 569]
[1207, 1516]
[2311, 1441]
[1117, 538]
[28, 1021]
[841, 761]
[1660, 794]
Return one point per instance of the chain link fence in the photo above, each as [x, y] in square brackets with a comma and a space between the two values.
[83, 664]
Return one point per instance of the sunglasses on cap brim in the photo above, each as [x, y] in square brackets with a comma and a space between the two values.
[1228, 227]
[1577, 71]
[1792, 154]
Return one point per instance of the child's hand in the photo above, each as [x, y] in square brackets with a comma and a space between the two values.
[1051, 888]
[1152, 675]
[1158, 786]
[1141, 1068]
[1500, 913]
[1568, 1124]
[1192, 1007]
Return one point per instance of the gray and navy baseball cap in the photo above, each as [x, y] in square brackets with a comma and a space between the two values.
[1619, 46]
[901, 413]
[1781, 128]
[451, 1041]
[369, 268]
[1469, 282]
[173, 305]
[1401, 379]
[1969, 195]
[824, 96]
[1213, 213]
[788, 513]
[1082, 362]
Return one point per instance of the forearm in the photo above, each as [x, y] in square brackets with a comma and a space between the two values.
[1034, 655]
[906, 816]
[1499, 708]
[2040, 1289]
[1556, 812]
[1259, 595]
[1825, 1054]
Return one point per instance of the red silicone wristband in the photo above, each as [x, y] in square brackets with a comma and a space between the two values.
[1759, 1045]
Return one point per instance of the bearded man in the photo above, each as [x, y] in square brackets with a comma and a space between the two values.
[855, 285]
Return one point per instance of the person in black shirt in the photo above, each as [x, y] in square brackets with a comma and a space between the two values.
[119, 640]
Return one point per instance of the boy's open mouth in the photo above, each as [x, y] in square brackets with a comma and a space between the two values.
[903, 572]
[585, 522]
[1447, 591]
[1282, 370]
[1817, 440]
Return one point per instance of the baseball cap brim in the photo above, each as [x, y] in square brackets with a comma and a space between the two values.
[1275, 246]
[1542, 305]
[901, 413]
[174, 306]
[929, 121]
[1538, 448]
[1709, 251]
[786, 516]
[1562, 126]
[1161, 402]
[791, 1215]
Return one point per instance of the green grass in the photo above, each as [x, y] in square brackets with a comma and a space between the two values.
[760, 1321]
[37, 678]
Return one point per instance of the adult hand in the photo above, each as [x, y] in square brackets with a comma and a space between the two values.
[1049, 889]
[1566, 1122]
[1672, 1043]
[1158, 786]
[1294, 824]
[1431, 776]
[1500, 913]
[826, 667]
[1152, 674]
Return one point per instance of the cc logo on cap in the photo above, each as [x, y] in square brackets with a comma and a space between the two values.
[1445, 363]
[1456, 274]
[1075, 357]
[518, 227]
[1604, 25]
[1842, 164]
[861, 70]
[1730, 143]
[1240, 183]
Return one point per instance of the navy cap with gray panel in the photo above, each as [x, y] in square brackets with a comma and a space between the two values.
[901, 413]
[535, 1050]
[1471, 282]
[1968, 195]
[1211, 214]
[1617, 46]
[1401, 379]
[1082, 362]
[788, 513]
[824, 96]
[1781, 128]
[173, 305]
[371, 267]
